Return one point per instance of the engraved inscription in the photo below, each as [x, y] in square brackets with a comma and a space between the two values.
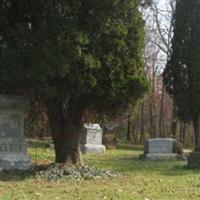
[12, 148]
[94, 137]
[160, 146]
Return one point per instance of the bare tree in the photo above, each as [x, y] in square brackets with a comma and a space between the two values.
[159, 32]
[163, 17]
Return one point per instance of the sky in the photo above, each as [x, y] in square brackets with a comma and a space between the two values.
[156, 55]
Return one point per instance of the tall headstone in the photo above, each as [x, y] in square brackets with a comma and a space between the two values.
[12, 143]
[91, 141]
[160, 148]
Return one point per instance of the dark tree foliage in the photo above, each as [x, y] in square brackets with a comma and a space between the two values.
[182, 74]
[72, 55]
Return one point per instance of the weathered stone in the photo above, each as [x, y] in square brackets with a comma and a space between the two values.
[194, 160]
[160, 148]
[12, 143]
[91, 148]
[91, 141]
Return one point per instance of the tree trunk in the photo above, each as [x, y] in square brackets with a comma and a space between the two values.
[181, 131]
[152, 118]
[174, 128]
[128, 133]
[196, 126]
[134, 127]
[142, 132]
[65, 126]
[184, 129]
[161, 114]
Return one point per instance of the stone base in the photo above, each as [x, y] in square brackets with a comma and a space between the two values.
[161, 156]
[194, 160]
[12, 162]
[91, 148]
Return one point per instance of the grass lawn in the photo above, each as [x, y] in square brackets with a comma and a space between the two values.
[136, 180]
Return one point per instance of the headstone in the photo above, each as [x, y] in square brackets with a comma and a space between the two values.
[91, 141]
[12, 143]
[160, 148]
[194, 160]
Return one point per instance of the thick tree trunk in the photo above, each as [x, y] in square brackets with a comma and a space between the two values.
[196, 126]
[65, 127]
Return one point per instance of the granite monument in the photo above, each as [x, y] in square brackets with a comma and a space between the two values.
[12, 143]
[160, 148]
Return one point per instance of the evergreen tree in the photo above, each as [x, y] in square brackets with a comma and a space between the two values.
[72, 55]
[182, 74]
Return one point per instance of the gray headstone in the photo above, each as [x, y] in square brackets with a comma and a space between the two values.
[160, 148]
[194, 160]
[12, 143]
[91, 141]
